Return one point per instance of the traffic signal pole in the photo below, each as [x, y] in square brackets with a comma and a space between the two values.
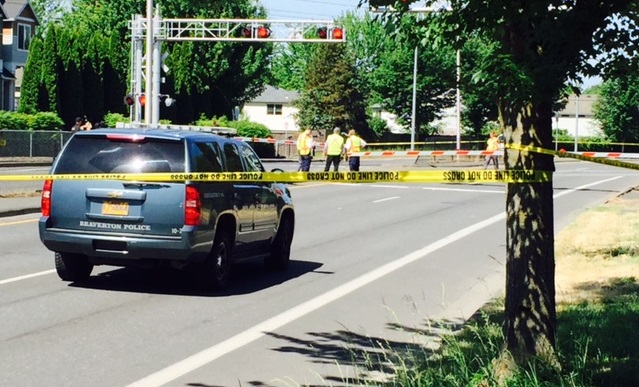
[153, 30]
[148, 106]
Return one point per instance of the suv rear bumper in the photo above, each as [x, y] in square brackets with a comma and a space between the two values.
[127, 249]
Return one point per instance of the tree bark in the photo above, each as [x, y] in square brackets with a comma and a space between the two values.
[530, 314]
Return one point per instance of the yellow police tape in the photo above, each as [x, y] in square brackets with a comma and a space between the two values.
[450, 176]
[563, 153]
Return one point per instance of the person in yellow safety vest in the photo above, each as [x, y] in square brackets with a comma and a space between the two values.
[354, 143]
[333, 150]
[305, 145]
[492, 145]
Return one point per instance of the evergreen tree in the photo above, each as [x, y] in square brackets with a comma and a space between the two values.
[87, 55]
[330, 97]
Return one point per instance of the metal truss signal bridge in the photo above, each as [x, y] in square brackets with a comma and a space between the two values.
[156, 30]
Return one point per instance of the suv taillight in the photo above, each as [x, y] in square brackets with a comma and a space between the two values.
[192, 207]
[45, 201]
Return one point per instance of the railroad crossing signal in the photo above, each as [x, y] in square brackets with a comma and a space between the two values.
[236, 30]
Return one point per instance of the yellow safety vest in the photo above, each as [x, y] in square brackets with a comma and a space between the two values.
[335, 144]
[493, 144]
[356, 144]
[304, 144]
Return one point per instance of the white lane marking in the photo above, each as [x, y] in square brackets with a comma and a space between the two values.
[24, 277]
[463, 190]
[566, 192]
[386, 199]
[216, 351]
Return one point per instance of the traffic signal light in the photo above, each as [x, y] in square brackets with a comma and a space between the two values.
[142, 99]
[334, 33]
[338, 33]
[129, 100]
[263, 32]
[259, 32]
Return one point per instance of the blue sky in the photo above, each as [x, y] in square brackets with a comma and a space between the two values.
[308, 9]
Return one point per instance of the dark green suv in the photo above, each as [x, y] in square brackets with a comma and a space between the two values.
[177, 223]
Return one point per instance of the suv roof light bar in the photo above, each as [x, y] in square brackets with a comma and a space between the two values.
[193, 128]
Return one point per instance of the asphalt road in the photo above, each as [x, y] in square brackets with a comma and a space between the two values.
[373, 268]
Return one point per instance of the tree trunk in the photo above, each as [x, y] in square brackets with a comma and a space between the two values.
[530, 315]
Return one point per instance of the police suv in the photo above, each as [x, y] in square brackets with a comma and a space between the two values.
[211, 224]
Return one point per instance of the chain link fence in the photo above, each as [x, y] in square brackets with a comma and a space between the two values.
[38, 143]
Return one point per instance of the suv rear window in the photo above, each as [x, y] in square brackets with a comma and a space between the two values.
[89, 154]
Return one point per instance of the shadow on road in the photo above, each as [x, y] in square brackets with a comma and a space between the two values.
[371, 360]
[247, 278]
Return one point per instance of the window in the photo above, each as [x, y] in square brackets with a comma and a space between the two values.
[253, 162]
[233, 161]
[205, 157]
[24, 36]
[274, 109]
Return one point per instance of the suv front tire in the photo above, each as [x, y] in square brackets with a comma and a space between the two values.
[281, 247]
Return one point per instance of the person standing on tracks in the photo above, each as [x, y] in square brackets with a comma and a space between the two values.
[354, 144]
[333, 150]
[304, 147]
[492, 146]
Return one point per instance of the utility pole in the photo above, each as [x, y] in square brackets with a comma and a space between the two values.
[148, 105]
[382, 8]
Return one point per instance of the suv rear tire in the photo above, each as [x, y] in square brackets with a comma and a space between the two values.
[216, 271]
[72, 267]
[281, 247]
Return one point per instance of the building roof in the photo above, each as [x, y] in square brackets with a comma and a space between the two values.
[15, 8]
[276, 95]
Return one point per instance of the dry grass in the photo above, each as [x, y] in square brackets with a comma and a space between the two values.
[601, 245]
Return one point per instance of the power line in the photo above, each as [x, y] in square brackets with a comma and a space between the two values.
[327, 9]
[272, 12]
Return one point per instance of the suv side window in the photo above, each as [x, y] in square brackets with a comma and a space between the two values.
[253, 163]
[232, 155]
[205, 157]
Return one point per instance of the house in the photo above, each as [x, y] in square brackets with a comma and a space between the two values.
[18, 28]
[274, 108]
[577, 117]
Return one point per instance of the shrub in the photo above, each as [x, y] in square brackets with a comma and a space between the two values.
[244, 128]
[110, 119]
[250, 129]
[378, 126]
[46, 121]
[22, 121]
